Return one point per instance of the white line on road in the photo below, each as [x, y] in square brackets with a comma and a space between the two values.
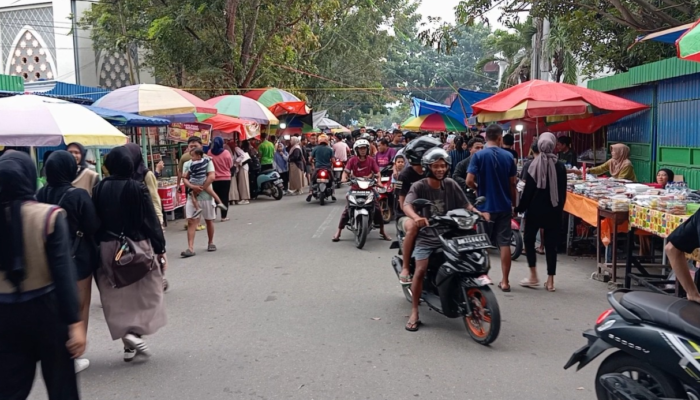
[324, 225]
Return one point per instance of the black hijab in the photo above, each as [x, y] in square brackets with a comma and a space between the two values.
[121, 168]
[140, 168]
[17, 185]
[83, 154]
[61, 170]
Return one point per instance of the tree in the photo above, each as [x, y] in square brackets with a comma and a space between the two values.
[599, 32]
[513, 48]
[559, 51]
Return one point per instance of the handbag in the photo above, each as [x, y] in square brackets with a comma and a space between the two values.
[126, 261]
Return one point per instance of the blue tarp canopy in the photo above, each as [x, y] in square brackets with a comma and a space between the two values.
[63, 89]
[666, 36]
[119, 118]
[460, 109]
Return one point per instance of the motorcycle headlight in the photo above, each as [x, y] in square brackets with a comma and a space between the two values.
[465, 222]
[352, 199]
[370, 197]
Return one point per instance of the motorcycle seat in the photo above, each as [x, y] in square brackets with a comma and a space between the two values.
[663, 310]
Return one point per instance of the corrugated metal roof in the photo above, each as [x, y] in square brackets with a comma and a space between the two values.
[656, 71]
[641, 94]
[66, 89]
[11, 83]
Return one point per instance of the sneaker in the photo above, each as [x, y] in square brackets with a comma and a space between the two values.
[137, 343]
[222, 206]
[201, 227]
[244, 202]
[197, 213]
[129, 354]
[81, 364]
[308, 198]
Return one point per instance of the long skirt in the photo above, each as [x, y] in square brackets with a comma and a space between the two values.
[240, 187]
[138, 308]
[296, 178]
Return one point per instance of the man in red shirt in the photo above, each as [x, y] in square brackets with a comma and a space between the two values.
[362, 166]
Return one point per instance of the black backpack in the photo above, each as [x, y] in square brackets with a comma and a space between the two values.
[253, 163]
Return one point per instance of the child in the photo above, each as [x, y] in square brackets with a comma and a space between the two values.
[197, 175]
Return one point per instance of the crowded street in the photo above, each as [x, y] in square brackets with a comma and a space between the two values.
[281, 312]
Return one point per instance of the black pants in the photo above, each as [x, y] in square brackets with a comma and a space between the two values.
[285, 179]
[32, 332]
[221, 188]
[550, 225]
[266, 167]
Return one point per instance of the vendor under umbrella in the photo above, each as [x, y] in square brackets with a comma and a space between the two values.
[619, 166]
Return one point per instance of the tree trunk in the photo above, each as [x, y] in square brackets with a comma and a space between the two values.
[250, 36]
[231, 13]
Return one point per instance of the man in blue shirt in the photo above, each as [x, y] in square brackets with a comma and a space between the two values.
[492, 173]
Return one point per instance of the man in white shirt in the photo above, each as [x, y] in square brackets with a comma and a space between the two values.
[341, 150]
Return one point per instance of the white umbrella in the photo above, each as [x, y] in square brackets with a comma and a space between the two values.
[38, 121]
[327, 123]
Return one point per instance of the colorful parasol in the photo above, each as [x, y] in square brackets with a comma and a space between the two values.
[540, 99]
[245, 108]
[279, 101]
[433, 123]
[155, 100]
[688, 45]
[30, 120]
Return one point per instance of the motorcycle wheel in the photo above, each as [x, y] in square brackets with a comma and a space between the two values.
[484, 323]
[516, 244]
[276, 192]
[386, 211]
[322, 199]
[654, 380]
[361, 230]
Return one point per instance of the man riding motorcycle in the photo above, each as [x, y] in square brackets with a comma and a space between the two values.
[361, 165]
[322, 157]
[413, 153]
[446, 195]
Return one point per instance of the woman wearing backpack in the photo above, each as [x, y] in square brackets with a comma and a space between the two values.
[82, 225]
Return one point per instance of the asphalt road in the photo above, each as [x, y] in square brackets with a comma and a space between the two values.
[281, 312]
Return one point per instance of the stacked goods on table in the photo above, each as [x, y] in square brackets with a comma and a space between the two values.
[165, 182]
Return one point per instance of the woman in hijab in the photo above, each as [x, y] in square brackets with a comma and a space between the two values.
[142, 174]
[39, 314]
[124, 206]
[296, 167]
[281, 164]
[223, 162]
[82, 225]
[619, 166]
[240, 188]
[85, 177]
[543, 199]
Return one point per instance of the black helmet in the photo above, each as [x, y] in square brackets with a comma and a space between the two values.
[416, 148]
[432, 156]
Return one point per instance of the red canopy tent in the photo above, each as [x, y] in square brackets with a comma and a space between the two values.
[603, 109]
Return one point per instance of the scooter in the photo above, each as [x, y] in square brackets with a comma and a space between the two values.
[268, 183]
[361, 198]
[456, 283]
[338, 168]
[386, 194]
[322, 189]
[656, 339]
[621, 387]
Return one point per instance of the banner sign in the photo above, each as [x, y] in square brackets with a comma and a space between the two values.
[180, 132]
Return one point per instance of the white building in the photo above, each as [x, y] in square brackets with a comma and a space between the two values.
[38, 42]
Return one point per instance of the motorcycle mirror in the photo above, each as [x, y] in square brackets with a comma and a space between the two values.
[480, 200]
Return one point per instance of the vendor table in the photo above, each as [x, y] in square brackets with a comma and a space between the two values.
[171, 199]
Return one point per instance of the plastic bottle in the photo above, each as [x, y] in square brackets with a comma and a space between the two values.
[583, 171]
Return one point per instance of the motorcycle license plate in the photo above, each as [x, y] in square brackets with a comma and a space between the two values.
[361, 193]
[277, 182]
[338, 169]
[386, 179]
[473, 242]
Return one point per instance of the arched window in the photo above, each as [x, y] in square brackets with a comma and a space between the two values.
[30, 57]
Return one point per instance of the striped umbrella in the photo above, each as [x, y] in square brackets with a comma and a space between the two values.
[278, 101]
[688, 45]
[156, 100]
[434, 123]
[245, 108]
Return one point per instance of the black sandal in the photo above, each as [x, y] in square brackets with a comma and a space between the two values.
[413, 326]
[335, 239]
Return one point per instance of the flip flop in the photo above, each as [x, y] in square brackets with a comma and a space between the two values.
[335, 239]
[529, 284]
[405, 280]
[538, 251]
[187, 253]
[211, 247]
[503, 289]
[384, 237]
[413, 326]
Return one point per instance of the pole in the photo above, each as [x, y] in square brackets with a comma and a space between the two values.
[594, 150]
[98, 162]
[144, 152]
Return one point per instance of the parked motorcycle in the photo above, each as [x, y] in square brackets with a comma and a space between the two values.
[361, 198]
[456, 284]
[386, 194]
[657, 343]
[620, 387]
[268, 183]
[322, 189]
[338, 168]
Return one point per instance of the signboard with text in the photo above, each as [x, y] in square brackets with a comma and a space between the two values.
[180, 132]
